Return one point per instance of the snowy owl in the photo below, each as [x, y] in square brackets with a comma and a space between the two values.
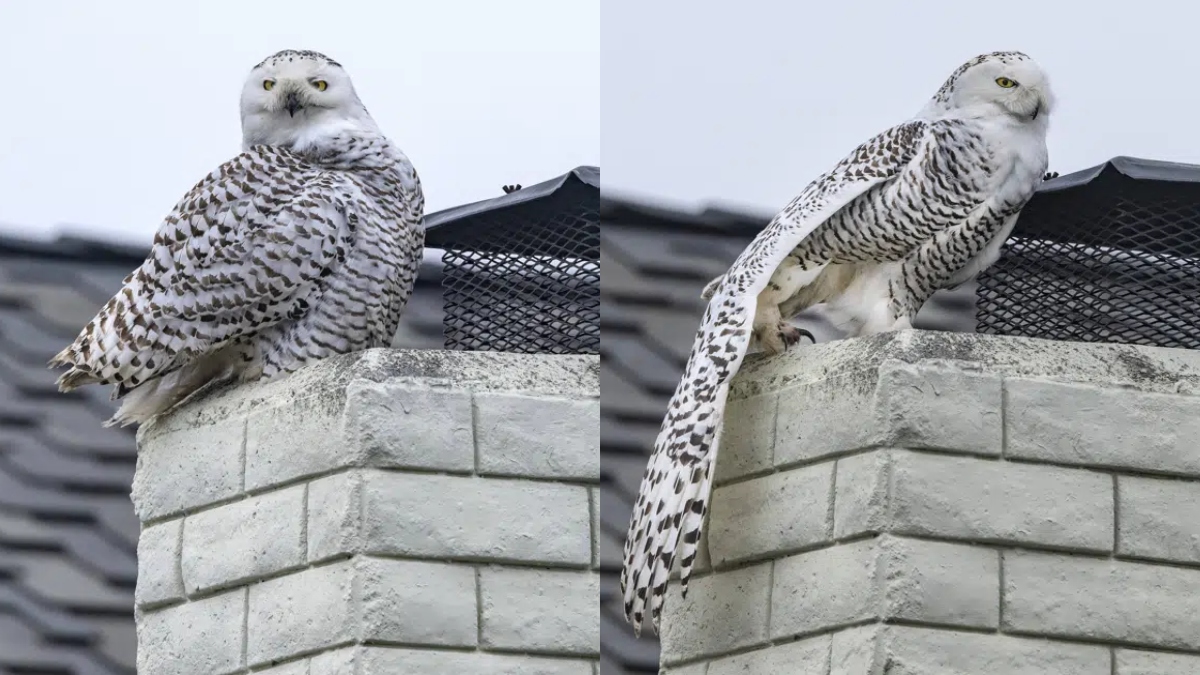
[304, 246]
[922, 206]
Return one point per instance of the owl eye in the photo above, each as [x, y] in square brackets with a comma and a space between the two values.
[1005, 82]
[321, 85]
[268, 84]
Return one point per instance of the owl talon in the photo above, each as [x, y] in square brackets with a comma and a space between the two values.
[791, 335]
[784, 336]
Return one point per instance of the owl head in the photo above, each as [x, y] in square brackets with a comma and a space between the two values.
[296, 98]
[1005, 83]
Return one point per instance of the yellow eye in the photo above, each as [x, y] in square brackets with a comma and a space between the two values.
[321, 85]
[268, 84]
[1005, 82]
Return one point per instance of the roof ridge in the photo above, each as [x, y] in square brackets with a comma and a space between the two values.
[72, 247]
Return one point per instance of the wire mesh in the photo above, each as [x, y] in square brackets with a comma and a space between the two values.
[1118, 262]
[529, 284]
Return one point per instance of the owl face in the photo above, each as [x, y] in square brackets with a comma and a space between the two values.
[1009, 82]
[293, 96]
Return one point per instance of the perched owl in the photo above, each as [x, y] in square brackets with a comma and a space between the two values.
[304, 246]
[922, 206]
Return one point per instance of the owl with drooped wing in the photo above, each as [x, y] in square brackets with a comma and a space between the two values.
[304, 246]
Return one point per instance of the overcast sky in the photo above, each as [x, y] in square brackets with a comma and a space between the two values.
[746, 102]
[112, 110]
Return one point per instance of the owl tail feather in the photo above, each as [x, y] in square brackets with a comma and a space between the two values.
[669, 515]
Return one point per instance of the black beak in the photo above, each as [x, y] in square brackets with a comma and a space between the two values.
[292, 104]
[1037, 110]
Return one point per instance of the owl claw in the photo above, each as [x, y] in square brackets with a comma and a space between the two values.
[784, 336]
[791, 334]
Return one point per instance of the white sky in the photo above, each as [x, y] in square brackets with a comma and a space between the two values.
[110, 111]
[744, 103]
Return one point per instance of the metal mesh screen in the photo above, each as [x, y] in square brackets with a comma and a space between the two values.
[528, 284]
[1117, 260]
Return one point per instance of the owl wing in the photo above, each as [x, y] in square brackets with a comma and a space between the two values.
[673, 498]
[240, 252]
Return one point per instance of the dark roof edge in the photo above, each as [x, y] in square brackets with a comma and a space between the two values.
[1130, 167]
[73, 247]
[713, 218]
[588, 175]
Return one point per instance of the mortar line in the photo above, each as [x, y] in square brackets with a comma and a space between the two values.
[831, 528]
[246, 627]
[1116, 547]
[304, 524]
[594, 526]
[475, 431]
[1003, 417]
[1112, 660]
[242, 452]
[769, 643]
[1000, 591]
[1103, 642]
[304, 655]
[829, 658]
[1032, 547]
[770, 596]
[479, 606]
[179, 558]
[308, 478]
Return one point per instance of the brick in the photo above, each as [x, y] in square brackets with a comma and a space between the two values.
[854, 651]
[1159, 519]
[721, 613]
[825, 588]
[202, 637]
[158, 578]
[400, 425]
[335, 516]
[928, 651]
[391, 661]
[538, 436]
[777, 513]
[966, 498]
[1135, 662]
[540, 610]
[825, 417]
[803, 657]
[306, 611]
[189, 468]
[941, 407]
[336, 662]
[297, 439]
[1117, 427]
[419, 603]
[861, 500]
[885, 578]
[1102, 599]
[939, 583]
[747, 437]
[477, 518]
[255, 537]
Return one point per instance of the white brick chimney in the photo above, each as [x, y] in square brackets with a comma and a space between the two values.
[934, 503]
[383, 512]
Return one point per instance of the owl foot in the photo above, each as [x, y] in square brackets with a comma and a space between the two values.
[783, 335]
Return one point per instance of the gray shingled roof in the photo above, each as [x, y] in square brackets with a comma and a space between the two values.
[68, 534]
